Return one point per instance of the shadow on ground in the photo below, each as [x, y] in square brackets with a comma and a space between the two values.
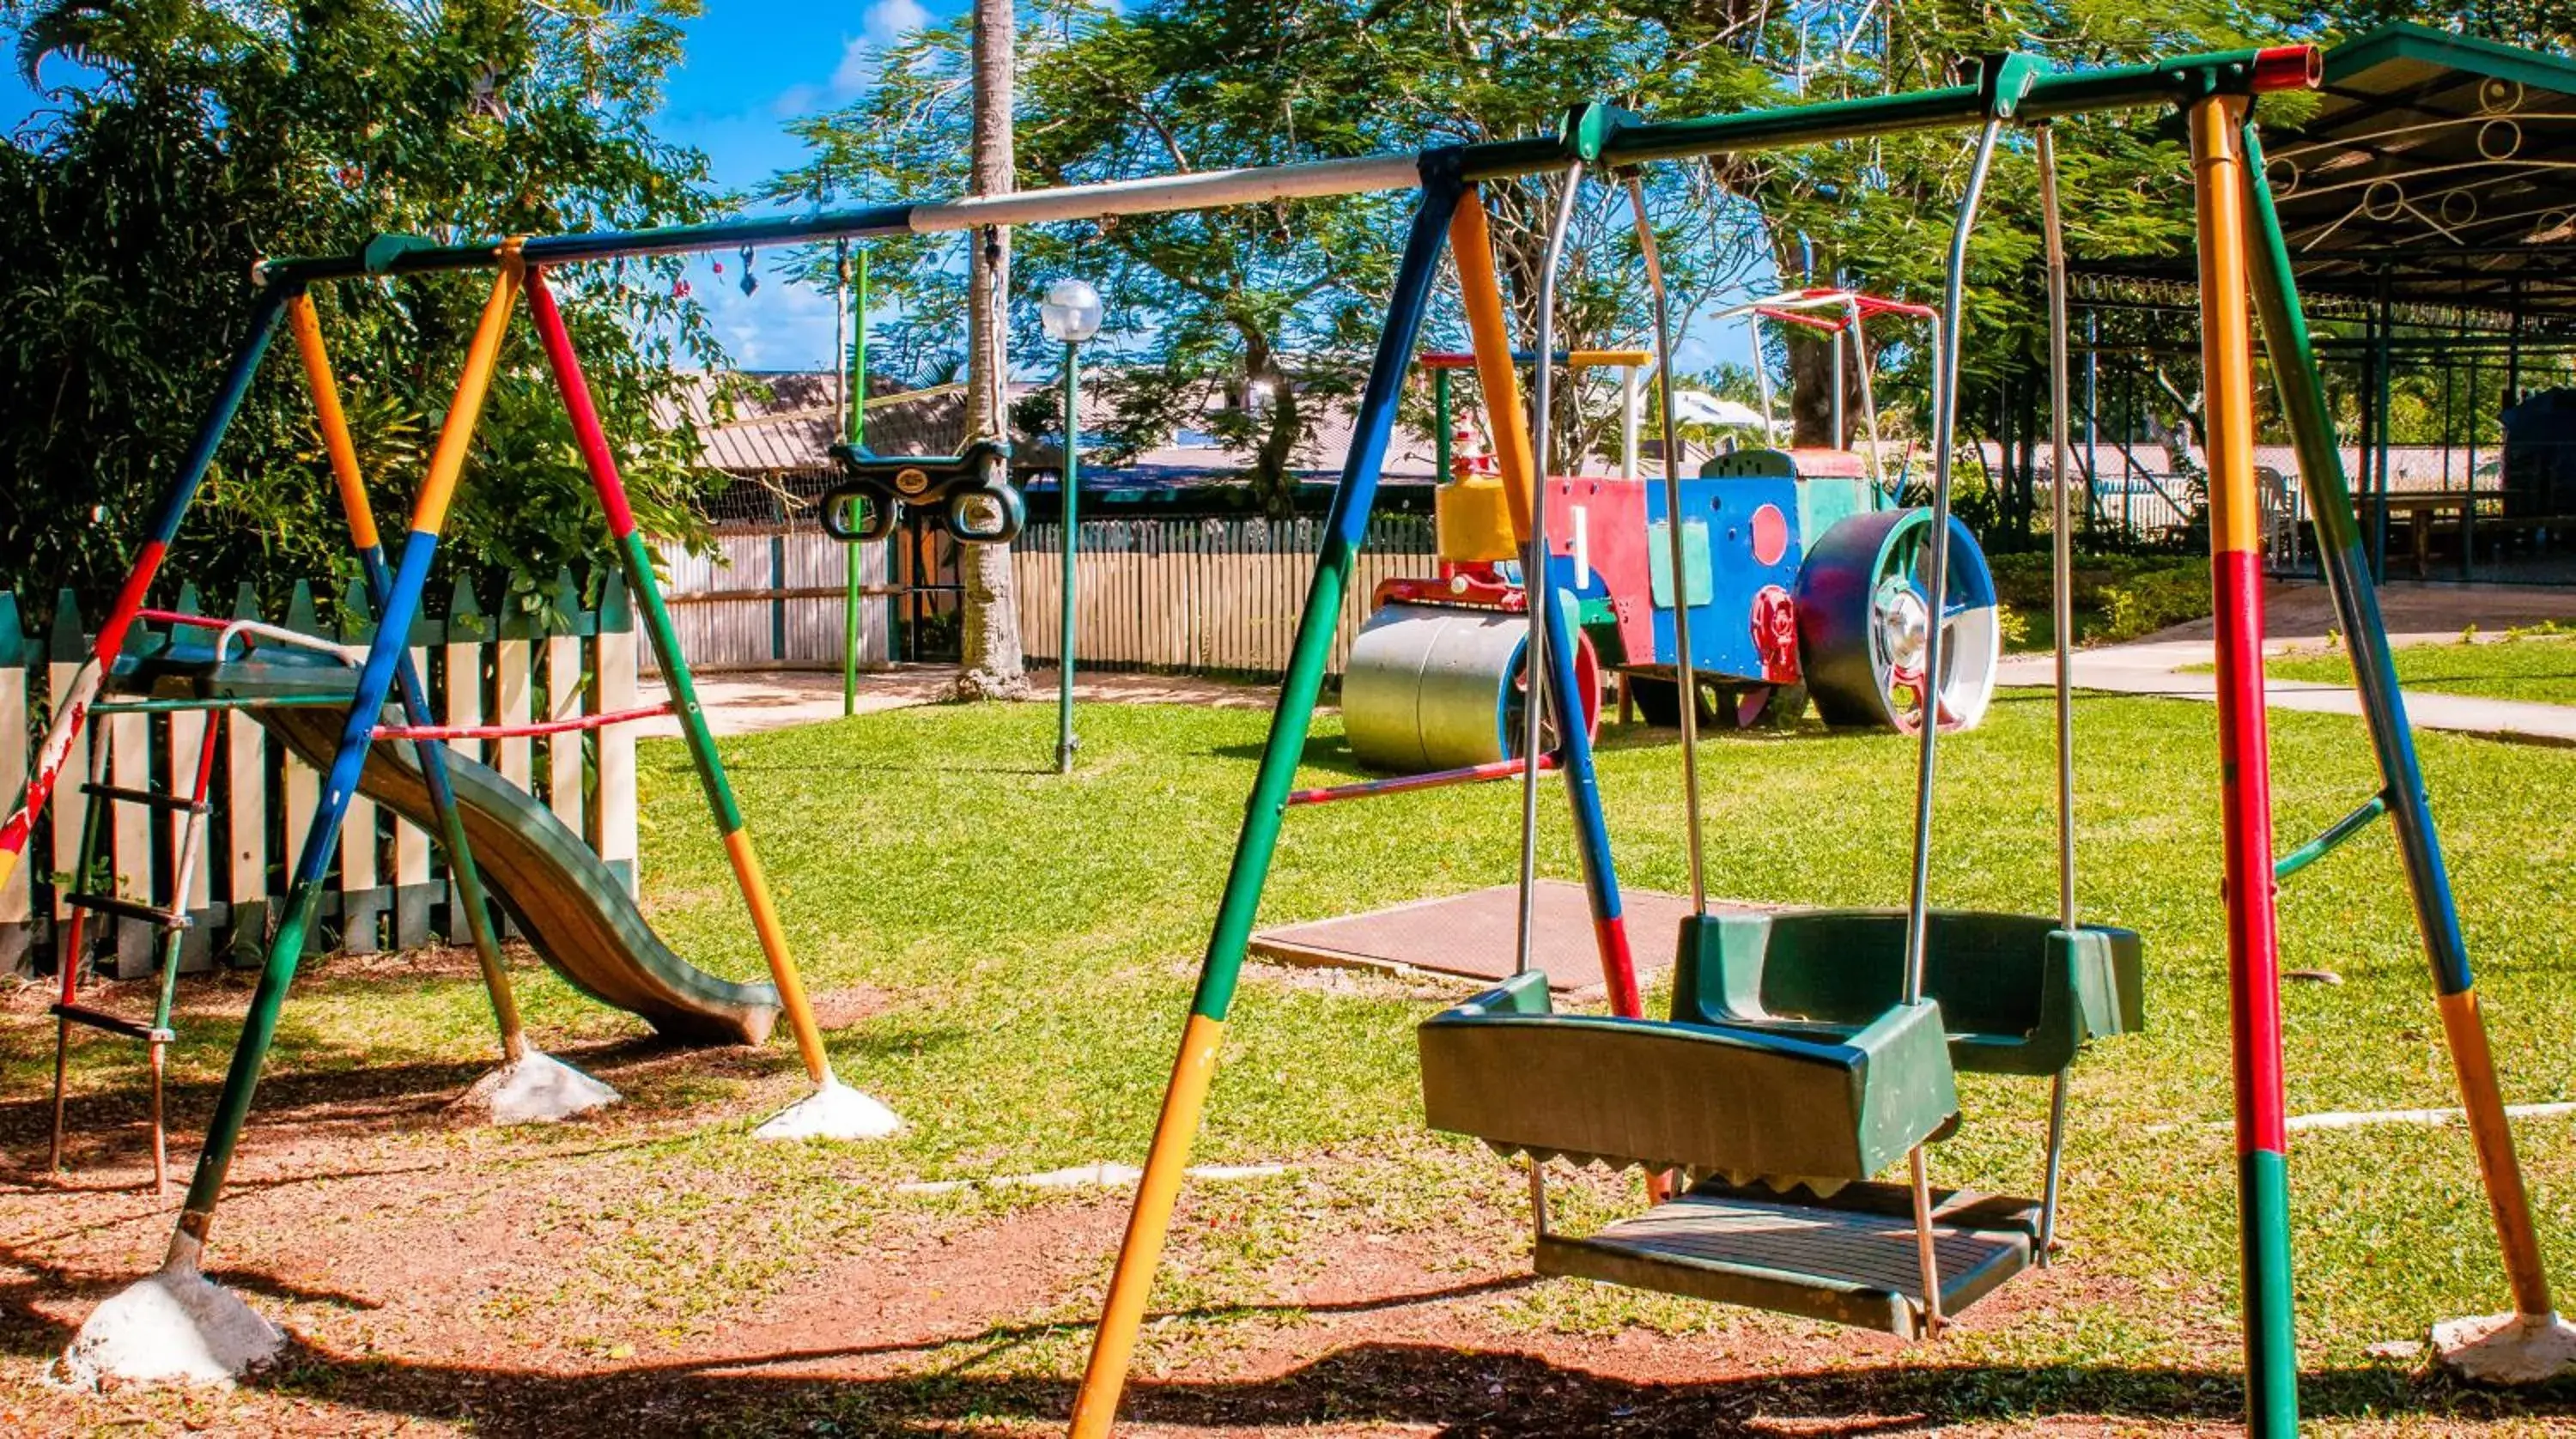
[1446, 1390]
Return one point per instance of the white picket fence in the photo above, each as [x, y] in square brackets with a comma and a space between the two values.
[390, 890]
[1200, 596]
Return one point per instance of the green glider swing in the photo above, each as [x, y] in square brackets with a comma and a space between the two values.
[1809, 1051]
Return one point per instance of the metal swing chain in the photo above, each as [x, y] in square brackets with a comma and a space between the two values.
[1687, 681]
[1534, 580]
[2062, 612]
[1945, 415]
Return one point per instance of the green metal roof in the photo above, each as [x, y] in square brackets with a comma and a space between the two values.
[2438, 165]
[2443, 164]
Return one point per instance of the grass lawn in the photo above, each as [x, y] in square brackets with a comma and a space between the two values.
[1013, 954]
[2519, 667]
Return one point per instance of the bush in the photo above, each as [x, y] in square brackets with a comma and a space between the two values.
[2023, 577]
[2152, 599]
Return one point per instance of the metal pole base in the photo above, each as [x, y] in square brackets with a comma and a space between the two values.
[535, 1088]
[2507, 1348]
[175, 1327]
[832, 1111]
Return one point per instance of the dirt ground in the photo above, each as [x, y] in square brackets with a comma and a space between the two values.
[439, 1280]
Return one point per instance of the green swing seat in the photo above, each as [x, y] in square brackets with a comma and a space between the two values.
[2018, 994]
[1790, 1075]
[1686, 1094]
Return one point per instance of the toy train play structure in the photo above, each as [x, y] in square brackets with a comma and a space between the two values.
[1803, 576]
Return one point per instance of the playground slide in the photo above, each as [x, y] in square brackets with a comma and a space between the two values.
[567, 902]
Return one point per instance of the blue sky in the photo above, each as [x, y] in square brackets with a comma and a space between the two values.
[750, 67]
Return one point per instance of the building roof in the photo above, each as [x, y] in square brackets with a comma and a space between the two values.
[784, 423]
[2442, 164]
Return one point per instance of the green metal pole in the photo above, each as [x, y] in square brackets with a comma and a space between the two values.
[853, 365]
[1441, 440]
[849, 554]
[1072, 488]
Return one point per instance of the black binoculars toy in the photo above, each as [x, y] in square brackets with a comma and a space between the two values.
[873, 490]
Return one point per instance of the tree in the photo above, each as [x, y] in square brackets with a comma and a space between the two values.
[218, 133]
[989, 635]
[1281, 299]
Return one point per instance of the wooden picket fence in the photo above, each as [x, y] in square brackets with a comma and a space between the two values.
[390, 888]
[770, 597]
[1210, 596]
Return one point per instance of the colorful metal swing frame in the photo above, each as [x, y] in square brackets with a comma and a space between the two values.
[2244, 271]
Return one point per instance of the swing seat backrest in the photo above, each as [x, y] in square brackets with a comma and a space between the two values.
[2017, 994]
[1713, 1098]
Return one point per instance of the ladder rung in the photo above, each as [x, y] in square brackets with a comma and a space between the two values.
[176, 804]
[128, 909]
[99, 1019]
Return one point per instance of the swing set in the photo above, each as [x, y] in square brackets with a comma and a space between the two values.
[1807, 1052]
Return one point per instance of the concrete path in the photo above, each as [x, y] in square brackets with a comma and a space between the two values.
[2300, 616]
[751, 701]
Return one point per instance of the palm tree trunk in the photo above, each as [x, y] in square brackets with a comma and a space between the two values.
[989, 663]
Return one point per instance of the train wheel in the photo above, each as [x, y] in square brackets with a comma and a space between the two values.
[1865, 619]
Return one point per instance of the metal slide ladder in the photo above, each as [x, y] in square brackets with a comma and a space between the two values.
[169, 918]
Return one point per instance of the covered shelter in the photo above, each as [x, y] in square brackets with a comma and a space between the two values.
[2429, 199]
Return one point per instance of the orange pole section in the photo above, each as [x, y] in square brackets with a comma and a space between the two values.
[1095, 1405]
[1472, 243]
[306, 325]
[447, 461]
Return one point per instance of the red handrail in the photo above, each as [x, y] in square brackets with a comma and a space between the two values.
[519, 731]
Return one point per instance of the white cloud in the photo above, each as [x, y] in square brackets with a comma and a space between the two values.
[888, 23]
[890, 20]
[780, 326]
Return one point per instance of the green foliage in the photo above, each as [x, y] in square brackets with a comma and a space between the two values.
[221, 133]
[2115, 597]
[2152, 599]
[1253, 322]
[1276, 303]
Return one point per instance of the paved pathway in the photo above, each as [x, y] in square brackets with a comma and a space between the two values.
[751, 701]
[2299, 616]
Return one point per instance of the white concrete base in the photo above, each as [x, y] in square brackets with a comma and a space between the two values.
[175, 1327]
[535, 1089]
[2507, 1348]
[835, 1111]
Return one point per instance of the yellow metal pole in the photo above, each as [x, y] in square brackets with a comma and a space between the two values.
[1471, 242]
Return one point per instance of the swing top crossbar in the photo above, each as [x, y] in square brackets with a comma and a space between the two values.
[2013, 87]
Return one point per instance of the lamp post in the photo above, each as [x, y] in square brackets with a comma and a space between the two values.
[1071, 314]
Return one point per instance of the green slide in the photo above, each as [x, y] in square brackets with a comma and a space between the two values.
[572, 908]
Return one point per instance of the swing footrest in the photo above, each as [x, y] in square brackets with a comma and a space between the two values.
[110, 1024]
[1849, 1259]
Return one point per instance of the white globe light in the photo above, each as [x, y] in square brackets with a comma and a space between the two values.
[1071, 313]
